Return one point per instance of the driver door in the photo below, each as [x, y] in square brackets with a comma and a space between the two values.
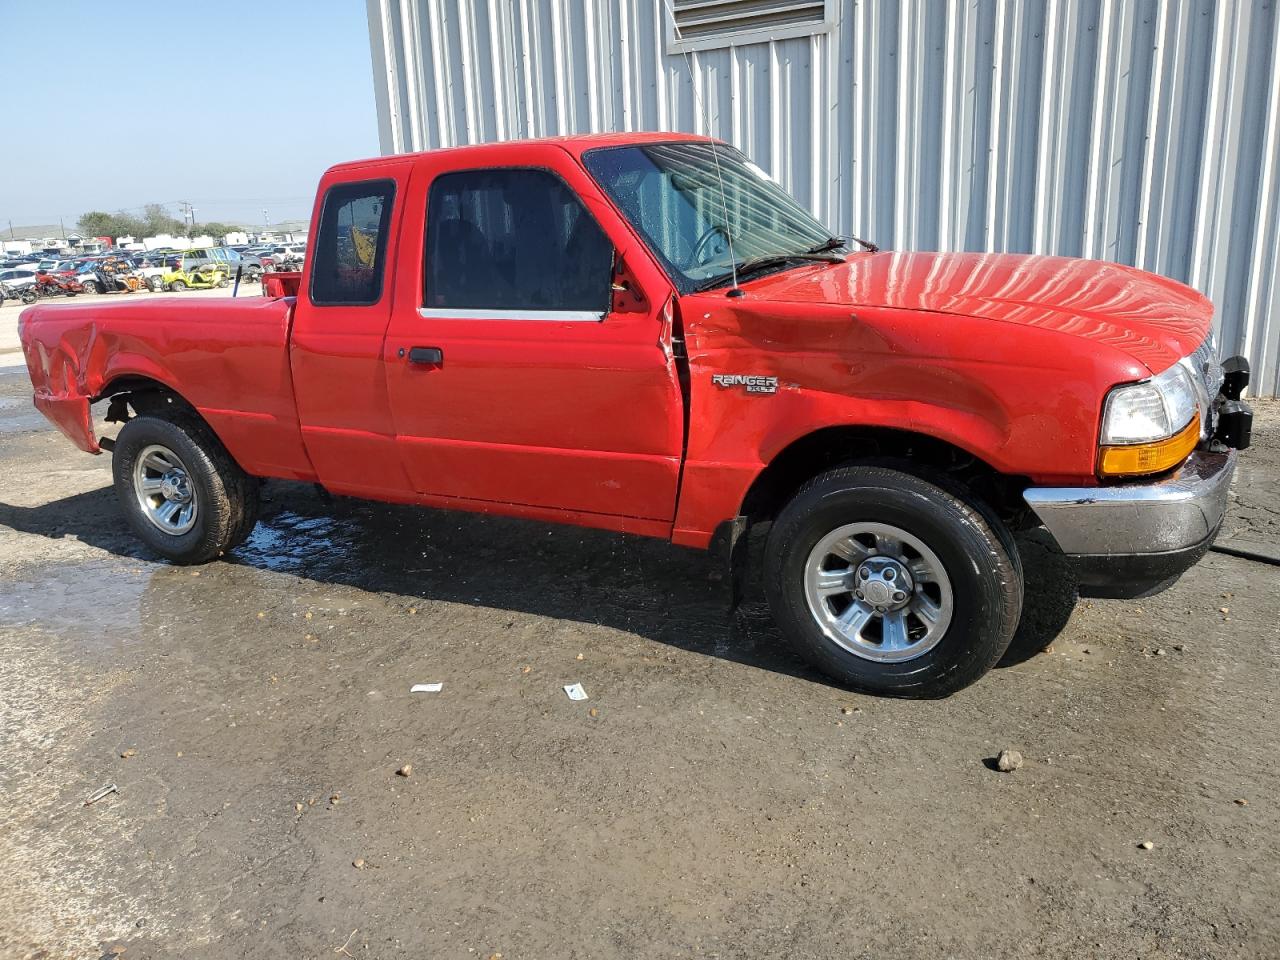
[514, 373]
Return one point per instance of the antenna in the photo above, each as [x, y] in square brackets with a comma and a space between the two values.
[715, 154]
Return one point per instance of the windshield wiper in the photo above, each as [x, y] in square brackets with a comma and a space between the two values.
[756, 264]
[834, 243]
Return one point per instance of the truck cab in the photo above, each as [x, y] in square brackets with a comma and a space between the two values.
[645, 333]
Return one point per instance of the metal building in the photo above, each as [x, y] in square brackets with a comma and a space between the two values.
[1143, 131]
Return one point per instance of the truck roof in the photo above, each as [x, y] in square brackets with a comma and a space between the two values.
[576, 144]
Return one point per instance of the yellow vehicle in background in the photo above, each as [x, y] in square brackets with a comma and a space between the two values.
[202, 277]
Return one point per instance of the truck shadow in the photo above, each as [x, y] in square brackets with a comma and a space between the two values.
[646, 587]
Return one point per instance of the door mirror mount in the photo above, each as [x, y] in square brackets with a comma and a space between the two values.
[625, 294]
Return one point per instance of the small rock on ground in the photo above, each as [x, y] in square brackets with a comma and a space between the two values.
[1008, 761]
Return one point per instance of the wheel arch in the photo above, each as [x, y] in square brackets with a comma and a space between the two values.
[146, 395]
[828, 447]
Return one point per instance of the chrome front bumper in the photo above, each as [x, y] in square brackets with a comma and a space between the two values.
[1132, 539]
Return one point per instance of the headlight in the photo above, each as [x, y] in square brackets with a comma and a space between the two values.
[1151, 426]
[1152, 410]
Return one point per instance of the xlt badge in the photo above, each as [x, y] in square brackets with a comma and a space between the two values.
[751, 382]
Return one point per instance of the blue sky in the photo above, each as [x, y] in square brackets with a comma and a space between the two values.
[233, 105]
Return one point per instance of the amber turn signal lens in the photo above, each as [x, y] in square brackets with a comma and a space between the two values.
[1139, 458]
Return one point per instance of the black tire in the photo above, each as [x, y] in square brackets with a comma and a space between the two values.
[30, 296]
[177, 286]
[974, 547]
[90, 286]
[226, 496]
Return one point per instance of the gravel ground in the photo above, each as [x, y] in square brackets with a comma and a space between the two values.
[712, 798]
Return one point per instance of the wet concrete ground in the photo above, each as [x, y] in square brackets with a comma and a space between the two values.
[723, 801]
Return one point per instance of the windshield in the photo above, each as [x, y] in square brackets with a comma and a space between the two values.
[671, 194]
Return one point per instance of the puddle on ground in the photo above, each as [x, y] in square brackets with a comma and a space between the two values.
[290, 543]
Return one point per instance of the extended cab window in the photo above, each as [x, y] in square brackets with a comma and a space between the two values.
[351, 244]
[514, 240]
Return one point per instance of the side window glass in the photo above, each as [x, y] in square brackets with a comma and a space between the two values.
[351, 243]
[516, 240]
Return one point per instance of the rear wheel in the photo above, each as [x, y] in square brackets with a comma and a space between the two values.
[90, 286]
[891, 584]
[180, 490]
[155, 284]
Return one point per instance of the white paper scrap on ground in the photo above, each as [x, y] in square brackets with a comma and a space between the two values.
[575, 691]
[426, 688]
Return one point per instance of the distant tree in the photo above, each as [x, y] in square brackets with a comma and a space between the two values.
[215, 229]
[158, 219]
[129, 226]
[96, 223]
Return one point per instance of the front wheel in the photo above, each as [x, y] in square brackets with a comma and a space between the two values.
[90, 286]
[181, 492]
[177, 286]
[891, 584]
[30, 296]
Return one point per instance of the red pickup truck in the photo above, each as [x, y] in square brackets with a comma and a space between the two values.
[644, 333]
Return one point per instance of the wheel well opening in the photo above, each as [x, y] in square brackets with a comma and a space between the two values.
[833, 447]
[142, 395]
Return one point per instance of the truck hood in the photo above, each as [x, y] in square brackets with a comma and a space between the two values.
[1150, 318]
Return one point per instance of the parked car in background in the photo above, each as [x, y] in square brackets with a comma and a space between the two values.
[226, 258]
[87, 273]
[151, 271]
[18, 278]
[288, 256]
[253, 266]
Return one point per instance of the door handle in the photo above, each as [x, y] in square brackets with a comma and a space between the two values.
[426, 355]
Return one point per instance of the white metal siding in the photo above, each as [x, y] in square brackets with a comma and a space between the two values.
[1143, 131]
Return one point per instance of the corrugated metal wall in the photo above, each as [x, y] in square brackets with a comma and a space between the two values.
[1130, 130]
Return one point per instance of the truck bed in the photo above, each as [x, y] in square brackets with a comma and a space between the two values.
[227, 357]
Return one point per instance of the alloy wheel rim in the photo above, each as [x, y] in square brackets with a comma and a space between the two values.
[878, 592]
[165, 491]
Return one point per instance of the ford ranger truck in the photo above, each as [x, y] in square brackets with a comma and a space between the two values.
[644, 333]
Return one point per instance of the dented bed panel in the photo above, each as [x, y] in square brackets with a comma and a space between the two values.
[227, 358]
